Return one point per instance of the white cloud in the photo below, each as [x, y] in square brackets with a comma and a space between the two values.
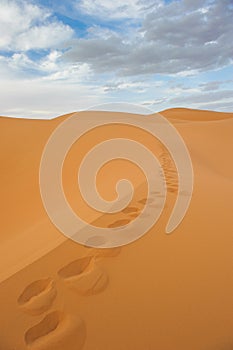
[46, 36]
[119, 9]
[176, 38]
[26, 26]
[214, 85]
[96, 31]
[135, 86]
[71, 74]
[116, 62]
[49, 68]
[202, 98]
[225, 106]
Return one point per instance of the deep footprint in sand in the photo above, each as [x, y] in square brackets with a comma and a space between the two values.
[146, 200]
[84, 276]
[76, 267]
[135, 215]
[57, 331]
[130, 210]
[38, 296]
[119, 223]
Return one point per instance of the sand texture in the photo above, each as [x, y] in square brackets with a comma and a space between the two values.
[162, 292]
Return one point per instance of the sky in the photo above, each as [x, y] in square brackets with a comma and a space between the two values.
[61, 56]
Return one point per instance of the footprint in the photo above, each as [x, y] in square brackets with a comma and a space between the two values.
[75, 268]
[96, 241]
[134, 215]
[57, 331]
[170, 172]
[146, 200]
[84, 277]
[38, 296]
[130, 210]
[119, 223]
[158, 194]
[90, 283]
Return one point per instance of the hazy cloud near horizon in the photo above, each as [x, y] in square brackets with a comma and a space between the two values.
[56, 59]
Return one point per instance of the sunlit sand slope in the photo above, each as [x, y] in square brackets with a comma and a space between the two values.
[166, 292]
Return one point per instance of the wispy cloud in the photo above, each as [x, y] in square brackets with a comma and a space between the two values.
[120, 9]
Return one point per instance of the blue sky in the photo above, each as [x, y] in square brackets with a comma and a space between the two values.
[62, 56]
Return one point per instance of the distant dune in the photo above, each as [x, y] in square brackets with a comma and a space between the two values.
[160, 292]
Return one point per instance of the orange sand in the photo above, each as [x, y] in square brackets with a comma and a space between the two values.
[162, 292]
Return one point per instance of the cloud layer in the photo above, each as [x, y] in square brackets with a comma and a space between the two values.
[169, 42]
[163, 54]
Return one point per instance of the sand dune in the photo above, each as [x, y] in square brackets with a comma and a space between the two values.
[166, 292]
